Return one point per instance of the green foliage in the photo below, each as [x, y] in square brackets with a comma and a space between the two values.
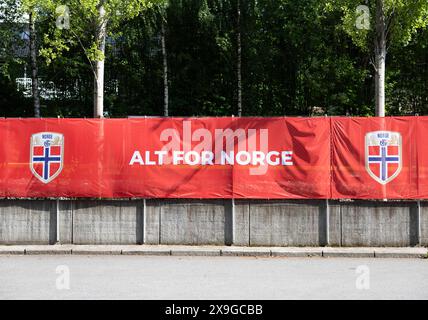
[84, 22]
[10, 37]
[12, 103]
[299, 58]
[407, 91]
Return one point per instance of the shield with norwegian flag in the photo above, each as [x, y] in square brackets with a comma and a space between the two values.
[383, 155]
[46, 155]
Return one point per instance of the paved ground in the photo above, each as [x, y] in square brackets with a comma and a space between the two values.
[169, 277]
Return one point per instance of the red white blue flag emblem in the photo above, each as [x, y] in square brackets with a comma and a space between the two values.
[383, 155]
[46, 155]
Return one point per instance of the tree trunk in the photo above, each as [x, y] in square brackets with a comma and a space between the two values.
[101, 34]
[165, 71]
[34, 69]
[380, 59]
[239, 57]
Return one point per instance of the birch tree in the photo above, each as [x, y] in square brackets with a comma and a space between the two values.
[99, 18]
[376, 25]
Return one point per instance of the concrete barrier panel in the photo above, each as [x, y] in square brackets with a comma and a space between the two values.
[287, 223]
[376, 223]
[152, 222]
[194, 222]
[65, 210]
[242, 223]
[27, 222]
[107, 222]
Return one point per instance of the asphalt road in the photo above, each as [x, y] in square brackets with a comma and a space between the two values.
[137, 277]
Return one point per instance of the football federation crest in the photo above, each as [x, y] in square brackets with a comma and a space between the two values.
[383, 155]
[46, 155]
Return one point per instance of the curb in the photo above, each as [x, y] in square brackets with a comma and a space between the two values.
[196, 252]
[304, 252]
[246, 252]
[147, 252]
[212, 251]
[349, 252]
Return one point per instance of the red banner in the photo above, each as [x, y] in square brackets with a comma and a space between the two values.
[269, 158]
[421, 150]
[375, 158]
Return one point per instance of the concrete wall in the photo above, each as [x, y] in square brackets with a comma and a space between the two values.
[107, 222]
[379, 223]
[23, 221]
[215, 222]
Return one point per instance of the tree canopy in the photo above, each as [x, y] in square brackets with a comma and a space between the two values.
[299, 58]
